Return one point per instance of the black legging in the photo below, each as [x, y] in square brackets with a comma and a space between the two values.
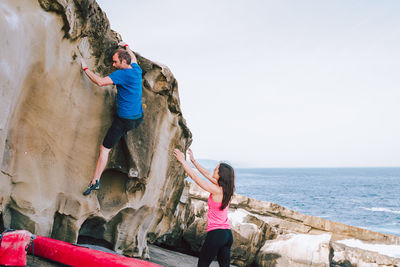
[218, 243]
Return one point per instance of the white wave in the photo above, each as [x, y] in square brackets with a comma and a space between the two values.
[383, 210]
[388, 250]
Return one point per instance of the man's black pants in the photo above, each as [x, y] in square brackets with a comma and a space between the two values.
[119, 127]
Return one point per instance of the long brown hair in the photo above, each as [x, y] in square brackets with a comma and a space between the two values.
[227, 182]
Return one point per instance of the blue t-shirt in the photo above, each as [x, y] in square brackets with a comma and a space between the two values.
[129, 87]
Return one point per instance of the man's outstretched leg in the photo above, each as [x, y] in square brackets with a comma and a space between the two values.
[101, 164]
[118, 128]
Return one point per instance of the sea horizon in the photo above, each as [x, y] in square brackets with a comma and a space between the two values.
[211, 163]
[328, 167]
[365, 197]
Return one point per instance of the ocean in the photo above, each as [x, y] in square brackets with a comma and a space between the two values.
[364, 197]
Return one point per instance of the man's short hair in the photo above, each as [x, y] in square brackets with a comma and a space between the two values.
[123, 55]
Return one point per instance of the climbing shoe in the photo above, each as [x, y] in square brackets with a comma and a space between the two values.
[91, 187]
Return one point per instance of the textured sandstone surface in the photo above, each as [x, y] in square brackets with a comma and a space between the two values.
[266, 234]
[53, 119]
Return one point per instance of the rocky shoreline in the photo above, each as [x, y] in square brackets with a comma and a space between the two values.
[267, 234]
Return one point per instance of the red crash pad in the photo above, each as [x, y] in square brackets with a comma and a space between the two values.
[13, 248]
[72, 255]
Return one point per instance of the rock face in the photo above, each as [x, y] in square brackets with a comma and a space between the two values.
[53, 119]
[266, 234]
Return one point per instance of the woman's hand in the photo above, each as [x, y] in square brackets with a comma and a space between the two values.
[179, 155]
[190, 152]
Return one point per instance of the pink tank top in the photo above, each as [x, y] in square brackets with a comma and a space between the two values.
[216, 218]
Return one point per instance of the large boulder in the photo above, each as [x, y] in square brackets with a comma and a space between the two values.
[297, 250]
[53, 120]
[249, 233]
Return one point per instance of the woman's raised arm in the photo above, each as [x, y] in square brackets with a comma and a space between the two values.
[209, 187]
[201, 169]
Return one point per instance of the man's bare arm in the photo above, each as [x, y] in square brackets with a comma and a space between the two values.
[133, 57]
[100, 81]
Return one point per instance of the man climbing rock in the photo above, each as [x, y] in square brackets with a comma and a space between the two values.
[128, 79]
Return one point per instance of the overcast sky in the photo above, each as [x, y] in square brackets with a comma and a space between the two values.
[278, 83]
